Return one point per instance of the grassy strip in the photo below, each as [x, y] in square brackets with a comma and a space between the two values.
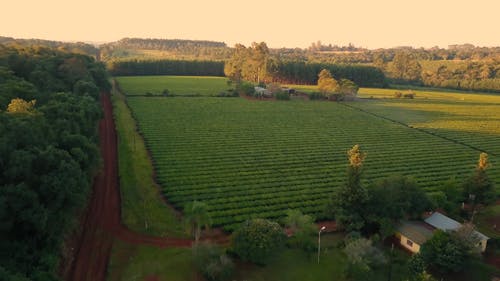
[143, 210]
[138, 262]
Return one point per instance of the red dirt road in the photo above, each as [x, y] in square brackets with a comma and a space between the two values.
[102, 222]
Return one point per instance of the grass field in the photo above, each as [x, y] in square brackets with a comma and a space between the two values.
[177, 85]
[471, 119]
[129, 262]
[140, 262]
[257, 159]
[142, 207]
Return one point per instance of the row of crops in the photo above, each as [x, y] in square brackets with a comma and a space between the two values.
[257, 159]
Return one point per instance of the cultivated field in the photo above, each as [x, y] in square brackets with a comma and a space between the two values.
[257, 159]
[176, 85]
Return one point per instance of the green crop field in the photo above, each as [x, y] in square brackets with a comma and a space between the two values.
[176, 85]
[257, 159]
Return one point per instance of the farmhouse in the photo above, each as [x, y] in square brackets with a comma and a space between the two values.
[445, 223]
[413, 234]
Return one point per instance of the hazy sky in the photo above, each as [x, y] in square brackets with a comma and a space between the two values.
[365, 23]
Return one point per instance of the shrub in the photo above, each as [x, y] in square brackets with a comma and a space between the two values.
[245, 89]
[165, 92]
[398, 95]
[256, 240]
[229, 94]
[336, 97]
[303, 229]
[282, 96]
[211, 262]
[409, 96]
[316, 96]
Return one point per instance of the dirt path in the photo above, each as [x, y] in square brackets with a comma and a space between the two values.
[102, 223]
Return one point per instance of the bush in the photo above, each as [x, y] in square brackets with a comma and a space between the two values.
[256, 240]
[409, 96]
[336, 97]
[231, 93]
[398, 95]
[303, 229]
[245, 88]
[316, 96]
[282, 96]
[211, 262]
[165, 92]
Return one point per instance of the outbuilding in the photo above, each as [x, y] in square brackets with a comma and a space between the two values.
[413, 234]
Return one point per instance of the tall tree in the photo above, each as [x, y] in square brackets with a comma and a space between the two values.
[233, 68]
[250, 63]
[196, 216]
[350, 200]
[326, 83]
[406, 67]
[479, 188]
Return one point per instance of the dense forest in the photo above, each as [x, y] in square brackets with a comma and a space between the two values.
[464, 67]
[166, 67]
[48, 153]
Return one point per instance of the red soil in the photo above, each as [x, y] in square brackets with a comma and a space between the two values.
[102, 223]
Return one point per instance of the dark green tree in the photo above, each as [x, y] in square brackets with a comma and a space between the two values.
[478, 188]
[303, 229]
[444, 252]
[196, 217]
[350, 200]
[406, 67]
[258, 240]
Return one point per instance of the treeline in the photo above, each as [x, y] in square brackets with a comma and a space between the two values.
[464, 67]
[479, 76]
[307, 73]
[256, 63]
[69, 47]
[48, 153]
[405, 68]
[175, 48]
[166, 67]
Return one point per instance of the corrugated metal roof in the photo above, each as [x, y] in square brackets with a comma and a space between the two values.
[445, 223]
[442, 222]
[415, 231]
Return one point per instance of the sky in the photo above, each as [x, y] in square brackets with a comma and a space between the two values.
[365, 23]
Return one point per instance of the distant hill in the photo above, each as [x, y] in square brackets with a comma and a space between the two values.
[70, 47]
[137, 48]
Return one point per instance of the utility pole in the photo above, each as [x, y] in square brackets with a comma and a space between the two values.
[319, 240]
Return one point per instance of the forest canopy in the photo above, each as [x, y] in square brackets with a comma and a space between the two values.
[48, 153]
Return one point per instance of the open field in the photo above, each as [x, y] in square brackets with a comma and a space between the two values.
[176, 85]
[471, 119]
[257, 159]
